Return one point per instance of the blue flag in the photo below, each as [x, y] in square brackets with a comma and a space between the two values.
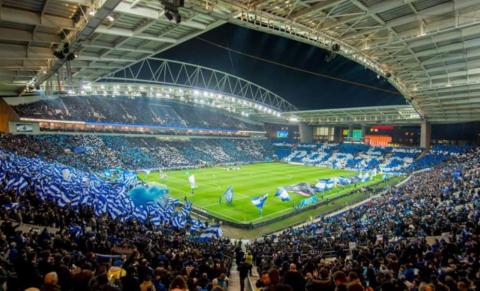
[283, 194]
[259, 201]
[228, 194]
[69, 186]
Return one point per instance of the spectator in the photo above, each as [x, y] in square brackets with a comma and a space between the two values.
[294, 278]
[178, 284]
[243, 270]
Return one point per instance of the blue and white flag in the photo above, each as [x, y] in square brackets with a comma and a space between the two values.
[228, 195]
[321, 185]
[75, 230]
[283, 194]
[187, 204]
[14, 205]
[260, 201]
[329, 184]
[344, 181]
[196, 225]
[69, 186]
[211, 232]
[16, 182]
[179, 220]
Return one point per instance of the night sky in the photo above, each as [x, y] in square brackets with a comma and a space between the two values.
[304, 90]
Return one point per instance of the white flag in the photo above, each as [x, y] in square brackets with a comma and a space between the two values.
[191, 180]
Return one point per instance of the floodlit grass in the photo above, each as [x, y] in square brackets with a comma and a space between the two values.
[248, 182]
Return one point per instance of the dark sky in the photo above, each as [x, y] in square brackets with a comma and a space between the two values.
[304, 90]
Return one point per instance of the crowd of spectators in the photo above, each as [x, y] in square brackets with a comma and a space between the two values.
[138, 110]
[365, 157]
[96, 153]
[86, 252]
[422, 235]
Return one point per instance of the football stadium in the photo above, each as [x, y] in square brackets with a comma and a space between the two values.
[251, 145]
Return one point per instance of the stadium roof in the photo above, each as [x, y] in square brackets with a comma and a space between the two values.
[396, 114]
[428, 49]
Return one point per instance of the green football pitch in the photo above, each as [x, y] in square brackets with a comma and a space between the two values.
[249, 181]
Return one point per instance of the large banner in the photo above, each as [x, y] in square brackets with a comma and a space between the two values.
[308, 201]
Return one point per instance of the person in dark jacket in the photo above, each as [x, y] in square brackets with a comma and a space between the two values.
[243, 270]
[294, 278]
[340, 280]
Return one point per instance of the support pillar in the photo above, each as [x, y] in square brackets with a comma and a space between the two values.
[337, 134]
[364, 130]
[425, 134]
[306, 133]
[350, 132]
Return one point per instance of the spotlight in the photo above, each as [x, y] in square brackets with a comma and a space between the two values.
[66, 50]
[59, 55]
[171, 9]
[71, 57]
[333, 53]
[168, 15]
[388, 75]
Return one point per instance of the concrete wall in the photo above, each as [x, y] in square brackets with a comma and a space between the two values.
[306, 133]
[7, 114]
[337, 134]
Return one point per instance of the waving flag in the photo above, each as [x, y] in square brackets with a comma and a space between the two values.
[107, 195]
[260, 201]
[211, 232]
[365, 177]
[321, 185]
[191, 180]
[344, 181]
[228, 195]
[75, 230]
[179, 220]
[283, 194]
[16, 182]
[196, 225]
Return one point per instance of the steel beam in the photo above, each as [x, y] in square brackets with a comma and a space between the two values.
[131, 34]
[20, 16]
